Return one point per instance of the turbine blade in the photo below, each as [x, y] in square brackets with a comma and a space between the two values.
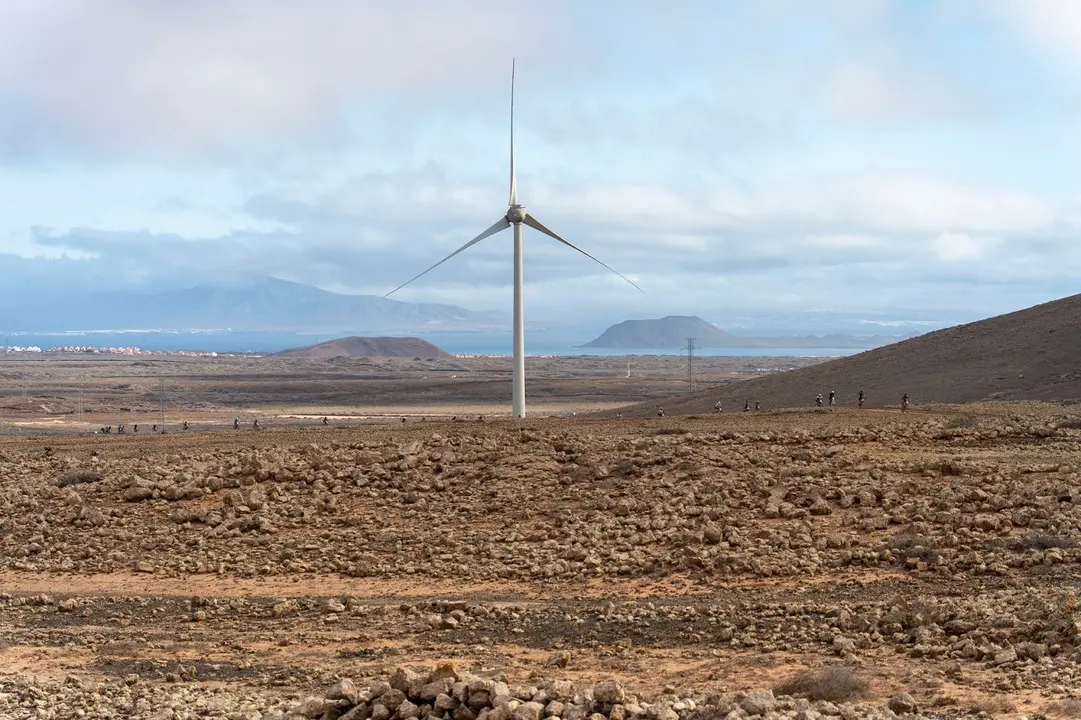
[513, 180]
[502, 224]
[536, 225]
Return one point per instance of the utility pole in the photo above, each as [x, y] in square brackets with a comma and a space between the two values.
[82, 400]
[161, 402]
[691, 386]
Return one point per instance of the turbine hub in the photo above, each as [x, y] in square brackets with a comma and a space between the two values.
[516, 214]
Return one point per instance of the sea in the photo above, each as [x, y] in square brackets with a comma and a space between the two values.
[537, 343]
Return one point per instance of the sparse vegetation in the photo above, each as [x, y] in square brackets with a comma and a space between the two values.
[1042, 541]
[995, 706]
[963, 422]
[124, 648]
[916, 547]
[833, 684]
[1067, 708]
[905, 541]
[668, 431]
[78, 477]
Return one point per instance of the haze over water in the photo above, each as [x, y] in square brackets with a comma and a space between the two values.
[457, 343]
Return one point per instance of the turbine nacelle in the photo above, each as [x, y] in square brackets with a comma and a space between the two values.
[516, 214]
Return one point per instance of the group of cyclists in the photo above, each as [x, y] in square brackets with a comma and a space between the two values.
[122, 427]
[859, 400]
[108, 429]
[832, 400]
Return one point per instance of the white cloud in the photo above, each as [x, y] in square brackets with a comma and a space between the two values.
[184, 76]
[894, 202]
[844, 241]
[863, 92]
[720, 152]
[623, 203]
[650, 231]
[927, 203]
[693, 243]
[1049, 26]
[25, 245]
[952, 247]
[877, 93]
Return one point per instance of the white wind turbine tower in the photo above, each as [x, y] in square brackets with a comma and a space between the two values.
[516, 216]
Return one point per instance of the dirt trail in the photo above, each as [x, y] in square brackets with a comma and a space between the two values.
[140, 584]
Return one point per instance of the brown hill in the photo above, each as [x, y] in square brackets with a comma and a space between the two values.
[1031, 354]
[399, 347]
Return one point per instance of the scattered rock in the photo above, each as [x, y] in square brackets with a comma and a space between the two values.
[902, 704]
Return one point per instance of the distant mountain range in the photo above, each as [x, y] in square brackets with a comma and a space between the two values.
[279, 306]
[265, 305]
[673, 331]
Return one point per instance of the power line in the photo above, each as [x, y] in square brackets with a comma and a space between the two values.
[691, 384]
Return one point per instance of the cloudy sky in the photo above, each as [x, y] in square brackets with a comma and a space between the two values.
[777, 155]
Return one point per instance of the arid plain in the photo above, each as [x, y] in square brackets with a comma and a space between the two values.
[789, 563]
[47, 392]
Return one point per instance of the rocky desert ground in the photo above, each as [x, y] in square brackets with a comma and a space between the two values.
[801, 564]
[65, 392]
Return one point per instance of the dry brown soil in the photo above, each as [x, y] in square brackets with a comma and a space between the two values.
[936, 552]
[61, 392]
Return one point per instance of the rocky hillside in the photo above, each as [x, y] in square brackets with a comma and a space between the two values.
[384, 347]
[1030, 354]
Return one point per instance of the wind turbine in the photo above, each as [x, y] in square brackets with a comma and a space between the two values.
[516, 216]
